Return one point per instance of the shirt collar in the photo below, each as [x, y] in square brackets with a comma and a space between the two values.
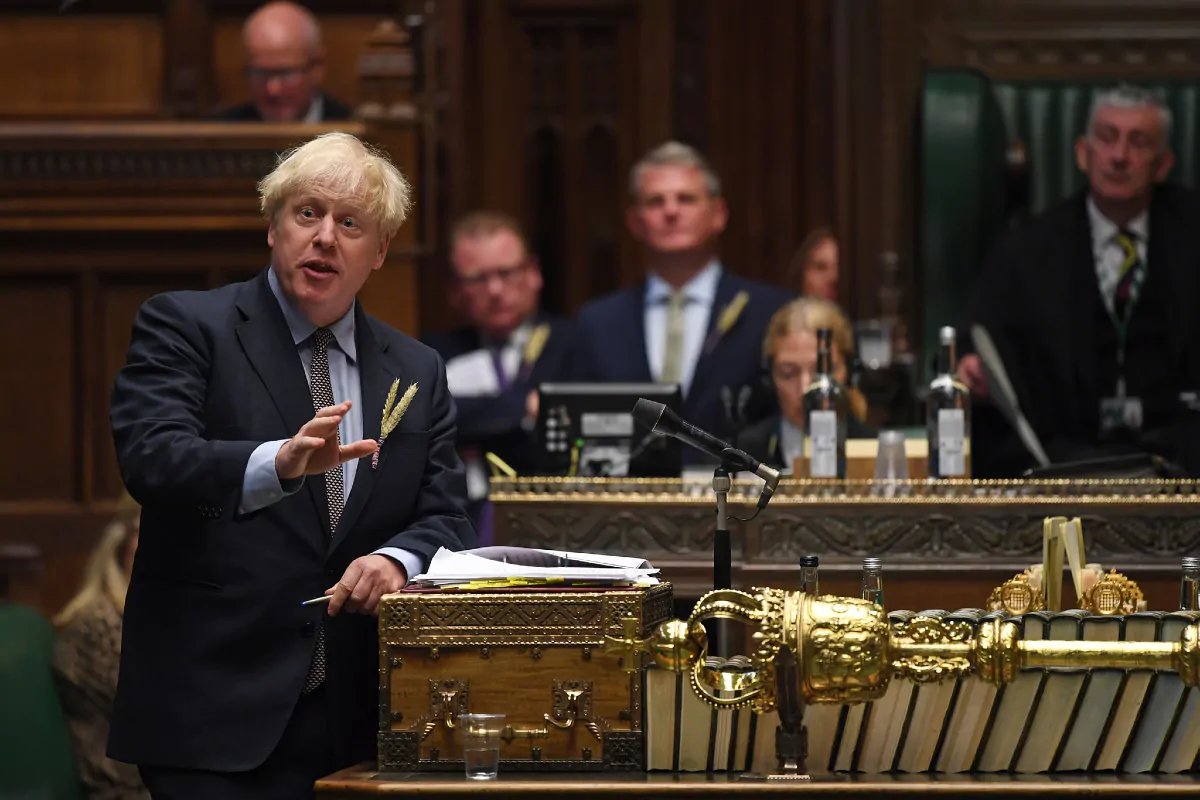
[517, 338]
[791, 438]
[301, 327]
[316, 109]
[702, 288]
[1104, 229]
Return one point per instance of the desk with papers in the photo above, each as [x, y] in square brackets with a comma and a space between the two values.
[506, 567]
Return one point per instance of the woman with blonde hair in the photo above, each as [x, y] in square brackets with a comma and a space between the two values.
[88, 654]
[790, 359]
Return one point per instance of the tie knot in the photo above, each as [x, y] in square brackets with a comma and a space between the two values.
[321, 338]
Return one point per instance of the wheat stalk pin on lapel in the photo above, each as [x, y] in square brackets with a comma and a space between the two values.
[392, 415]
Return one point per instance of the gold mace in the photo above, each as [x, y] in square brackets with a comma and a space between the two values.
[842, 650]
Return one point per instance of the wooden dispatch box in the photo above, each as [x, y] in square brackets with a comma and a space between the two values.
[535, 655]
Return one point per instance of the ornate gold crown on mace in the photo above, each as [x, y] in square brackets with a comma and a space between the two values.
[842, 650]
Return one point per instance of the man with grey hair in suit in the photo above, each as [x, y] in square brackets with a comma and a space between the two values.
[693, 321]
[1092, 304]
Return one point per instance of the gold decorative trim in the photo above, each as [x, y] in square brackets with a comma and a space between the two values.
[794, 492]
[1114, 594]
[1016, 596]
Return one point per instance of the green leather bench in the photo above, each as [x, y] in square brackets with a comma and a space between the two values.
[991, 153]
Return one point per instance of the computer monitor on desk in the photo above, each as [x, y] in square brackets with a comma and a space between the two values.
[587, 429]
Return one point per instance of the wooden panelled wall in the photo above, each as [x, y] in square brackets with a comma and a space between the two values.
[807, 108]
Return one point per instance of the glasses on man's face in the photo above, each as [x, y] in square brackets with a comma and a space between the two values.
[261, 75]
[507, 276]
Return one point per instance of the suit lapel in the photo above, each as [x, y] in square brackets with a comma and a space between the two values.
[633, 330]
[530, 375]
[375, 375]
[708, 362]
[268, 345]
[1081, 285]
[1171, 258]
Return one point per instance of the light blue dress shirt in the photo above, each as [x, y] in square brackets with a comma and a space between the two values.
[700, 293]
[260, 485]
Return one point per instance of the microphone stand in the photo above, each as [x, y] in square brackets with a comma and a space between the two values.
[722, 556]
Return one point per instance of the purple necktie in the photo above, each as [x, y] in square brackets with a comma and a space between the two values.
[498, 365]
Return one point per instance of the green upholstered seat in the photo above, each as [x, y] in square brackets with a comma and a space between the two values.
[37, 759]
[962, 189]
[967, 122]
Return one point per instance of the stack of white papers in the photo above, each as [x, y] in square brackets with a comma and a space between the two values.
[491, 567]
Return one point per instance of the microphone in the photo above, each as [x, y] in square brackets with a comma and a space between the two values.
[665, 422]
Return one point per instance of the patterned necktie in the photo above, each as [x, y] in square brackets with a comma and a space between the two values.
[672, 366]
[1130, 267]
[322, 394]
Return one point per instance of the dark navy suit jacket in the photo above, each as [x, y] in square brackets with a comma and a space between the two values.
[763, 441]
[494, 424]
[612, 348]
[216, 645]
[334, 111]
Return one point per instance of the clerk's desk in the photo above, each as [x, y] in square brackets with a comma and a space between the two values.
[364, 781]
[968, 537]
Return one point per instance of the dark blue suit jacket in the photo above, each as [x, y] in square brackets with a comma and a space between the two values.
[494, 423]
[612, 348]
[216, 645]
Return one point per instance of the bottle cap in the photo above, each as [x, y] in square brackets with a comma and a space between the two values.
[1190, 562]
[810, 561]
[872, 563]
[947, 335]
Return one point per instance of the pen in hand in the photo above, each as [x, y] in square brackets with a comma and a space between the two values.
[316, 600]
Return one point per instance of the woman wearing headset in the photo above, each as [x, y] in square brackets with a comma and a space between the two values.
[790, 360]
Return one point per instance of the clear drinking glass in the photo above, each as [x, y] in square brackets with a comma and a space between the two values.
[891, 460]
[481, 744]
[874, 343]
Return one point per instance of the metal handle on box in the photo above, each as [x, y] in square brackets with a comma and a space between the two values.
[571, 712]
[508, 733]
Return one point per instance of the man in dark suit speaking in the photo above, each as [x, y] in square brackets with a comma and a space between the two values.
[1092, 306]
[283, 445]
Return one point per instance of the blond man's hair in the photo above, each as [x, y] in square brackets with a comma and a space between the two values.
[341, 166]
[104, 577]
[813, 314]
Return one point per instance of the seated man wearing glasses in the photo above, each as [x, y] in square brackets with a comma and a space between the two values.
[507, 347]
[285, 66]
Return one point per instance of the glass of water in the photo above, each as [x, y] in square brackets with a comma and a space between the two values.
[891, 464]
[481, 744]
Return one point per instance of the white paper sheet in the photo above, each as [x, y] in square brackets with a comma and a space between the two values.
[472, 375]
[449, 567]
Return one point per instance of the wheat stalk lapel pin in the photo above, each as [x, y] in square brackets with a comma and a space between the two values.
[533, 348]
[729, 316]
[392, 414]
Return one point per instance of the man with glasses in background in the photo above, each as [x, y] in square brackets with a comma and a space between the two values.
[507, 347]
[285, 67]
